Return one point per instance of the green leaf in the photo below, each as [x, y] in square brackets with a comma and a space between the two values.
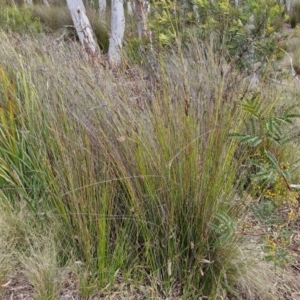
[287, 175]
[272, 160]
[292, 116]
[269, 258]
[225, 227]
[257, 163]
[289, 138]
[260, 176]
[272, 176]
[252, 140]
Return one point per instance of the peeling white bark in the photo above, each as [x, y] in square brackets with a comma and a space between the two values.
[117, 33]
[82, 26]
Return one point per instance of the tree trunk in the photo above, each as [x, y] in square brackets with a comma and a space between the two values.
[129, 7]
[288, 5]
[28, 2]
[46, 3]
[102, 7]
[117, 33]
[285, 6]
[142, 7]
[82, 26]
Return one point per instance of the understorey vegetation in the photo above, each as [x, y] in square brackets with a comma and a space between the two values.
[173, 176]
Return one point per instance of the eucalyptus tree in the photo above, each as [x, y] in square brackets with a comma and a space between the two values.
[82, 26]
[129, 7]
[117, 32]
[288, 5]
[85, 32]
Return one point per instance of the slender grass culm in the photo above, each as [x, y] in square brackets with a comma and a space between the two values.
[136, 177]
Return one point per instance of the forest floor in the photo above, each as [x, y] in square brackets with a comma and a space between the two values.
[273, 228]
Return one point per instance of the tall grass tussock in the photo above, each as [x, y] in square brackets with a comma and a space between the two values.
[132, 175]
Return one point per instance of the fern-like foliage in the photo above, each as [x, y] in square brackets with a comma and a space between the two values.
[224, 227]
[267, 124]
[266, 130]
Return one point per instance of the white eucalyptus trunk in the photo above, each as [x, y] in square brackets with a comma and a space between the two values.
[102, 7]
[82, 26]
[129, 7]
[46, 3]
[288, 5]
[142, 8]
[117, 33]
